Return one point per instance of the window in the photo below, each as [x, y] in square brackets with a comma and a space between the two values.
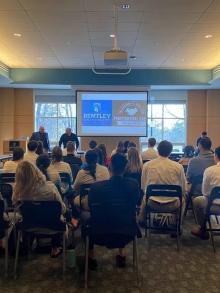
[167, 121]
[55, 117]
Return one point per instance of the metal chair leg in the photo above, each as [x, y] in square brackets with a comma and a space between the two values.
[86, 261]
[16, 254]
[6, 253]
[64, 255]
[211, 234]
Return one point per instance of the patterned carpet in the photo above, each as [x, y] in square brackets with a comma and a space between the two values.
[194, 269]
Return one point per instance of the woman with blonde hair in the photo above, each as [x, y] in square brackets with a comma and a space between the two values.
[31, 184]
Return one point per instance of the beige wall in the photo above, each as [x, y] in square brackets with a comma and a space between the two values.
[16, 114]
[203, 114]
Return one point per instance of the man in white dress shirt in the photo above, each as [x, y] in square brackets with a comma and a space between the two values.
[30, 154]
[150, 153]
[162, 171]
[211, 179]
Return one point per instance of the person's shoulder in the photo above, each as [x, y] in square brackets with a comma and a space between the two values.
[100, 184]
[101, 167]
[210, 169]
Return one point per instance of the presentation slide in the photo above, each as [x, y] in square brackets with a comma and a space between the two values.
[111, 113]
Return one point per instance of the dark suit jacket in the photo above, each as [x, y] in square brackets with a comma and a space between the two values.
[121, 189]
[43, 137]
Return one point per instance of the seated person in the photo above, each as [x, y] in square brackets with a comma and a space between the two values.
[60, 166]
[134, 165]
[211, 179]
[131, 144]
[70, 157]
[119, 149]
[51, 174]
[30, 154]
[197, 165]
[106, 159]
[92, 144]
[90, 173]
[125, 188]
[150, 153]
[162, 171]
[30, 184]
[11, 166]
[188, 153]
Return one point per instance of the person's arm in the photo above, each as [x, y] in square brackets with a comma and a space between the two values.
[76, 140]
[190, 170]
[61, 141]
[58, 197]
[206, 187]
[33, 136]
[48, 142]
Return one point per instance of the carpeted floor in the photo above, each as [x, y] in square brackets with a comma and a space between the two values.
[194, 269]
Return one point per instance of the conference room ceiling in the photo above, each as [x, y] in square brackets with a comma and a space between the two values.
[180, 34]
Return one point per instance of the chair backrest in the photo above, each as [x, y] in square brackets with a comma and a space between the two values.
[6, 190]
[164, 190]
[196, 182]
[84, 189]
[7, 177]
[115, 214]
[2, 221]
[75, 169]
[42, 214]
[65, 178]
[215, 194]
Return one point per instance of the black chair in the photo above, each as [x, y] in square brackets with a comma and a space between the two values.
[113, 218]
[6, 180]
[171, 191]
[213, 210]
[40, 218]
[75, 169]
[4, 232]
[195, 183]
[83, 192]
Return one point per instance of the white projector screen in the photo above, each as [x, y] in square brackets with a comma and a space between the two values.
[111, 113]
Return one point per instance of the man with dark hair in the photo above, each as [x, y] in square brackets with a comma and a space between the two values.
[30, 154]
[92, 144]
[150, 153]
[211, 179]
[203, 135]
[68, 136]
[198, 164]
[162, 171]
[122, 188]
[70, 157]
[42, 136]
[11, 166]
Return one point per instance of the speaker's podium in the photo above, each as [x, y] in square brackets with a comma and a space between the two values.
[9, 145]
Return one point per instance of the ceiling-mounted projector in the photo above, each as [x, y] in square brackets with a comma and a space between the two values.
[115, 57]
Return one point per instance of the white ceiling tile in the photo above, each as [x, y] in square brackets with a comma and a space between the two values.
[170, 17]
[9, 5]
[53, 5]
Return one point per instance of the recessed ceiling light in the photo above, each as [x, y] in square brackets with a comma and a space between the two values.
[17, 35]
[112, 36]
[208, 36]
[125, 6]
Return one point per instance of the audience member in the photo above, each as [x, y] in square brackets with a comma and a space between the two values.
[162, 171]
[70, 157]
[122, 188]
[197, 166]
[119, 149]
[188, 153]
[131, 144]
[150, 153]
[92, 144]
[203, 135]
[126, 146]
[51, 174]
[39, 150]
[211, 179]
[11, 166]
[30, 184]
[106, 160]
[30, 154]
[42, 136]
[100, 158]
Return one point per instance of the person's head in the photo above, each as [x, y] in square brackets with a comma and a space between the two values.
[120, 147]
[39, 150]
[100, 157]
[165, 148]
[68, 131]
[27, 180]
[126, 146]
[188, 151]
[204, 134]
[18, 154]
[205, 144]
[43, 162]
[118, 164]
[70, 147]
[41, 129]
[92, 144]
[217, 154]
[131, 144]
[57, 154]
[134, 162]
[151, 142]
[32, 146]
[91, 158]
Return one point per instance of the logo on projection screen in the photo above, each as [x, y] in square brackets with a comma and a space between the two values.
[97, 113]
